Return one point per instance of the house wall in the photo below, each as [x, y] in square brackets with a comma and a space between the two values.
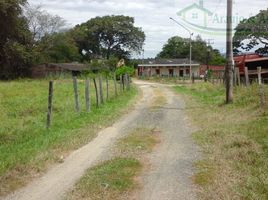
[164, 71]
[43, 71]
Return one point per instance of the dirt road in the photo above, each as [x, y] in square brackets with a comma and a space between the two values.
[171, 163]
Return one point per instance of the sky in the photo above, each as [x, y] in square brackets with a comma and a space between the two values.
[153, 17]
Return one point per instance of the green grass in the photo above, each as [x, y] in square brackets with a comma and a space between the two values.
[234, 141]
[109, 180]
[26, 146]
[115, 179]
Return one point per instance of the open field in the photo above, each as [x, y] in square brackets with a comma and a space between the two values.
[234, 141]
[27, 148]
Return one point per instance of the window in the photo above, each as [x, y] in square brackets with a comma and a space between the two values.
[195, 15]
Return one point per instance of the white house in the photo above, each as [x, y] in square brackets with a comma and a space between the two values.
[168, 68]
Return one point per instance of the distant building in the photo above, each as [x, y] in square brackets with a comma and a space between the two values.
[168, 68]
[57, 69]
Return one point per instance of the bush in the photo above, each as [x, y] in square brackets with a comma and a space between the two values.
[125, 70]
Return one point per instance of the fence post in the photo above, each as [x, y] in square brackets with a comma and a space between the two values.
[50, 98]
[238, 76]
[262, 96]
[115, 85]
[193, 78]
[259, 75]
[121, 84]
[246, 76]
[101, 89]
[96, 92]
[75, 94]
[124, 83]
[87, 94]
[107, 88]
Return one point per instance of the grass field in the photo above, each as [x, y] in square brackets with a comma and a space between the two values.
[26, 146]
[234, 141]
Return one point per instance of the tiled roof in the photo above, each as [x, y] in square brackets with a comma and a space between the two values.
[166, 61]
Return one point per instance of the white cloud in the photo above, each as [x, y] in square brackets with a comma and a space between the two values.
[151, 15]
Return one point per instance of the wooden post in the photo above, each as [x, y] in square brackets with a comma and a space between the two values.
[76, 94]
[193, 78]
[128, 81]
[121, 84]
[115, 85]
[238, 76]
[50, 98]
[87, 94]
[101, 90]
[107, 88]
[262, 96]
[96, 92]
[124, 83]
[246, 76]
[259, 75]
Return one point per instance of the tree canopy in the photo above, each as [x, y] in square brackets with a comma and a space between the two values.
[252, 34]
[103, 37]
[178, 47]
[15, 37]
[33, 36]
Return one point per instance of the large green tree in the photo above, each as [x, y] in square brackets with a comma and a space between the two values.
[178, 47]
[252, 34]
[56, 48]
[103, 37]
[15, 37]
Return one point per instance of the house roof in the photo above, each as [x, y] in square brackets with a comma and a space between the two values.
[167, 62]
[70, 66]
[194, 6]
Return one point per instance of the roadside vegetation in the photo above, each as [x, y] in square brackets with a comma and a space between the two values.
[27, 148]
[234, 141]
[117, 178]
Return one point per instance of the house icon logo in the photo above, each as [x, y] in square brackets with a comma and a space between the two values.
[196, 14]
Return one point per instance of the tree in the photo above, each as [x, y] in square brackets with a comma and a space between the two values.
[103, 37]
[15, 52]
[41, 23]
[252, 34]
[56, 48]
[178, 47]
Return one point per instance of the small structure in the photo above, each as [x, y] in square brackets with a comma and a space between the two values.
[57, 69]
[168, 68]
[252, 61]
[216, 70]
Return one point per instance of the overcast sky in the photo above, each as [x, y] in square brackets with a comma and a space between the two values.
[151, 15]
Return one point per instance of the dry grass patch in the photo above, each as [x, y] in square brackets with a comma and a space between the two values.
[159, 99]
[234, 140]
[139, 141]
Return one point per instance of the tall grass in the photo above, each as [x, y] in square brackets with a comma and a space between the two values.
[234, 141]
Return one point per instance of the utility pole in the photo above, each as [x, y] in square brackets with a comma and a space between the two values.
[229, 54]
[191, 34]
